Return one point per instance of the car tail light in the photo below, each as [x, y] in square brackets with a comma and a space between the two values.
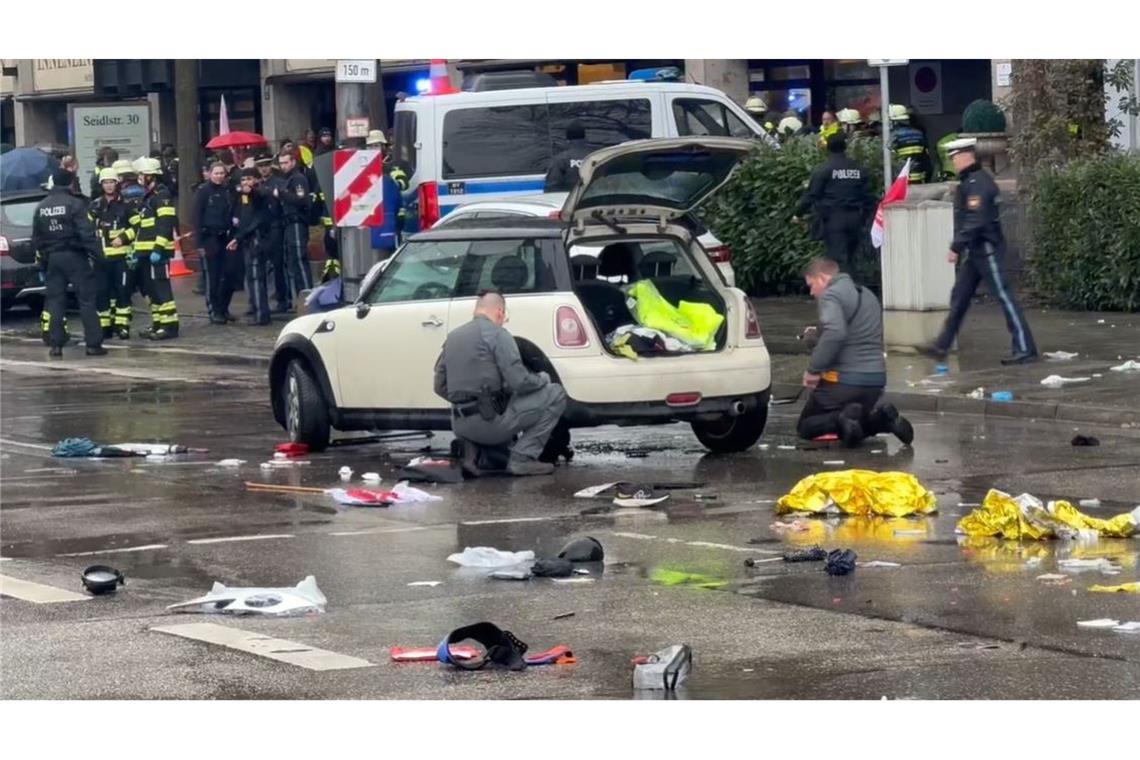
[428, 193]
[720, 254]
[569, 330]
[683, 399]
[4, 250]
[751, 323]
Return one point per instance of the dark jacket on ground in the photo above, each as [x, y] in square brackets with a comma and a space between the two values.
[850, 335]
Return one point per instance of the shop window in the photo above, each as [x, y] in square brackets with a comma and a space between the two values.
[864, 98]
[852, 68]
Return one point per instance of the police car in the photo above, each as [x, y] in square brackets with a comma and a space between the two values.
[369, 365]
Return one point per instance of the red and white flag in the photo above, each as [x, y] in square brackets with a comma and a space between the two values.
[223, 118]
[895, 193]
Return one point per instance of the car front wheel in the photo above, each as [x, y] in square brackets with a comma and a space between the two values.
[732, 434]
[306, 415]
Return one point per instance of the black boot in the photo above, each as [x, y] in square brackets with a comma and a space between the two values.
[931, 350]
[850, 427]
[891, 421]
[56, 352]
[218, 319]
[1021, 357]
[96, 351]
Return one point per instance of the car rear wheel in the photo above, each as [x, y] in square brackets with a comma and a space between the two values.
[732, 434]
[306, 414]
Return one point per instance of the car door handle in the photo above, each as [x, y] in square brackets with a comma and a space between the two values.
[433, 322]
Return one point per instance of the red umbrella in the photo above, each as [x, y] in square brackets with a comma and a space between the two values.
[238, 140]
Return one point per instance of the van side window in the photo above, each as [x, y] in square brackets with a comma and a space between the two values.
[607, 122]
[707, 117]
[496, 142]
[404, 152]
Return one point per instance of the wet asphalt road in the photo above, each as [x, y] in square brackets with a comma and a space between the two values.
[777, 631]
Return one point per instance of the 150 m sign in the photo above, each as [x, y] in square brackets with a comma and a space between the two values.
[356, 71]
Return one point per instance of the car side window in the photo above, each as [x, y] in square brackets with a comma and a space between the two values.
[496, 141]
[426, 271]
[607, 122]
[707, 117]
[512, 266]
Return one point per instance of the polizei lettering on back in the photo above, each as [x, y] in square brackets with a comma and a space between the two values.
[846, 174]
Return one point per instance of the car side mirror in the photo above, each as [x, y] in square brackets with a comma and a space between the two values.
[362, 310]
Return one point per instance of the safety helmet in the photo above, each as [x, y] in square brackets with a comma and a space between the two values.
[147, 165]
[848, 116]
[108, 174]
[898, 113]
[122, 166]
[376, 137]
[789, 124]
[755, 105]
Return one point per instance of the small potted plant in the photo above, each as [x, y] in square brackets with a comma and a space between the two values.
[985, 122]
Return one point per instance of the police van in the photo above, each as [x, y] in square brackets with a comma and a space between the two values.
[484, 146]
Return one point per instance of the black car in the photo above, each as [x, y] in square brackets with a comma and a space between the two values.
[19, 275]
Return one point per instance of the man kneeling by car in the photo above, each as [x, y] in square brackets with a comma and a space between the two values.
[846, 372]
[493, 396]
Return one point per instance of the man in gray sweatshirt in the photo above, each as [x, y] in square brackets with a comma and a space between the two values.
[846, 372]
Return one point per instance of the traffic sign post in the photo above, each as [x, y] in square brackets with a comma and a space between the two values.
[359, 71]
[358, 188]
[884, 109]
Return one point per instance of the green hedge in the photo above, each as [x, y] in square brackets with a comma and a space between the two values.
[752, 214]
[1085, 230]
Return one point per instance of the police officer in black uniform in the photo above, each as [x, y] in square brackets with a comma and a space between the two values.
[273, 240]
[69, 250]
[296, 203]
[978, 248]
[563, 172]
[214, 222]
[840, 198]
[252, 226]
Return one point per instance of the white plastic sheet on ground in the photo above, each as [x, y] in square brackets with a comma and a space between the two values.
[1128, 366]
[411, 495]
[1061, 355]
[301, 599]
[1056, 381]
[488, 557]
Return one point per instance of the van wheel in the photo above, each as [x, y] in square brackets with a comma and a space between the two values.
[732, 434]
[306, 416]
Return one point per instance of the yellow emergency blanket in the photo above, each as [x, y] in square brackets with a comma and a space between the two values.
[1124, 588]
[1025, 517]
[692, 323]
[859, 492]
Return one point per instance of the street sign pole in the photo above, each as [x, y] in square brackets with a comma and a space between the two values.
[355, 243]
[884, 106]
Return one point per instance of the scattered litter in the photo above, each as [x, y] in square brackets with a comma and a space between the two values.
[1097, 374]
[406, 494]
[706, 496]
[563, 616]
[592, 491]
[429, 462]
[573, 580]
[552, 568]
[876, 451]
[1001, 396]
[976, 645]
[1033, 562]
[485, 556]
[968, 504]
[838, 462]
[941, 461]
[1081, 565]
[431, 471]
[840, 562]
[1061, 355]
[909, 532]
[345, 473]
[273, 488]
[371, 477]
[102, 579]
[752, 562]
[515, 573]
[1128, 366]
[1089, 503]
[785, 447]
[284, 463]
[978, 393]
[859, 492]
[267, 465]
[941, 369]
[430, 654]
[638, 496]
[1098, 623]
[1123, 588]
[795, 526]
[1026, 518]
[667, 577]
[1056, 381]
[664, 670]
[1054, 578]
[362, 497]
[879, 563]
[762, 446]
[231, 463]
[1100, 321]
[584, 549]
[431, 584]
[303, 598]
[1133, 626]
[814, 554]
[636, 454]
[1085, 440]
[500, 647]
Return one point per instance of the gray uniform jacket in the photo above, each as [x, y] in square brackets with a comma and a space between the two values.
[850, 335]
[481, 357]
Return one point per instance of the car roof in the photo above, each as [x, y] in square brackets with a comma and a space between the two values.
[584, 90]
[487, 229]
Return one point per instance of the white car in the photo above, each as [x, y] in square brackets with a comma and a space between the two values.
[369, 366]
[550, 205]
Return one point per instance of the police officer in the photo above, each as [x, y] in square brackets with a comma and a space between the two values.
[978, 248]
[493, 395]
[563, 172]
[68, 247]
[840, 198]
[296, 205]
[846, 372]
[273, 239]
[325, 142]
[252, 228]
[111, 217]
[214, 213]
[155, 235]
[909, 142]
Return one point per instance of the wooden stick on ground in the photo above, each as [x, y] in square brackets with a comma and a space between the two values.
[280, 489]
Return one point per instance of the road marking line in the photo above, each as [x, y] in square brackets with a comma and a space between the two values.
[37, 446]
[148, 547]
[639, 536]
[37, 592]
[514, 520]
[50, 469]
[379, 531]
[290, 652]
[701, 544]
[229, 539]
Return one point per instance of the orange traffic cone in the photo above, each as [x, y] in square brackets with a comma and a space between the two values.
[440, 82]
[178, 266]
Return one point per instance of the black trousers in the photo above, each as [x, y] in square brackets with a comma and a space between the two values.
[224, 272]
[297, 272]
[256, 260]
[842, 234]
[275, 263]
[972, 271]
[821, 412]
[64, 267]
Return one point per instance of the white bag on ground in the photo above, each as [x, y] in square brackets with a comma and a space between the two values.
[485, 556]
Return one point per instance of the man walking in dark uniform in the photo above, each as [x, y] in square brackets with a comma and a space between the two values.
[214, 214]
[69, 250]
[978, 248]
[296, 205]
[839, 196]
[252, 229]
[563, 172]
[494, 397]
[272, 186]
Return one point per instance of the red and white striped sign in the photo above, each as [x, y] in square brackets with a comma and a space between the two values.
[358, 188]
